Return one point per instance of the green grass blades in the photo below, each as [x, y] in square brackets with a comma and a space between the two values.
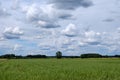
[60, 69]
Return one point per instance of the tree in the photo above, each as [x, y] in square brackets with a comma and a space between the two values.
[59, 54]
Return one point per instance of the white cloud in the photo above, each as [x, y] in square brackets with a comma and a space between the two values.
[89, 37]
[39, 17]
[111, 41]
[70, 31]
[91, 34]
[12, 33]
[33, 13]
[16, 47]
[92, 37]
[47, 17]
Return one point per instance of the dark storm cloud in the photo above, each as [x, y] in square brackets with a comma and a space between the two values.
[71, 4]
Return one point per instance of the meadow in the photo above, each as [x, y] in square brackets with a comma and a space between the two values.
[60, 69]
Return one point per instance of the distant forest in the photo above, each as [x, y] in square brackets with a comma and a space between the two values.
[58, 55]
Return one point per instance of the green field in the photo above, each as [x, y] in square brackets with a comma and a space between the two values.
[60, 69]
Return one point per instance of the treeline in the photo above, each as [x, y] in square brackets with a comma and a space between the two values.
[13, 56]
[88, 55]
[96, 55]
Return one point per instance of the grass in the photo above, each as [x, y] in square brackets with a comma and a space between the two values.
[60, 69]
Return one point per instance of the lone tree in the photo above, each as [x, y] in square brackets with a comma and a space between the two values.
[59, 54]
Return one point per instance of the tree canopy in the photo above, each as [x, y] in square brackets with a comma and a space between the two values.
[59, 54]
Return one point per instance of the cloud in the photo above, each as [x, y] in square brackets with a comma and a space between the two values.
[65, 16]
[12, 33]
[16, 47]
[117, 2]
[108, 20]
[66, 42]
[15, 5]
[39, 17]
[33, 12]
[38, 37]
[3, 11]
[45, 46]
[90, 38]
[111, 41]
[91, 34]
[45, 16]
[1, 38]
[118, 30]
[71, 4]
[44, 24]
[70, 31]
[56, 14]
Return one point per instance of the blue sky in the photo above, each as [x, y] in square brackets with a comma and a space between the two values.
[71, 26]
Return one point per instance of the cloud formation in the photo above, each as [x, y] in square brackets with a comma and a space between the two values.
[51, 25]
[71, 4]
[44, 24]
[108, 20]
[1, 38]
[3, 11]
[92, 38]
[12, 33]
[39, 17]
[16, 4]
[70, 31]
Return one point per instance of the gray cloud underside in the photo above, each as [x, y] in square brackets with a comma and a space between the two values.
[12, 33]
[108, 20]
[71, 4]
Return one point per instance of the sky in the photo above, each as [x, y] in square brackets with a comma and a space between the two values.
[73, 27]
